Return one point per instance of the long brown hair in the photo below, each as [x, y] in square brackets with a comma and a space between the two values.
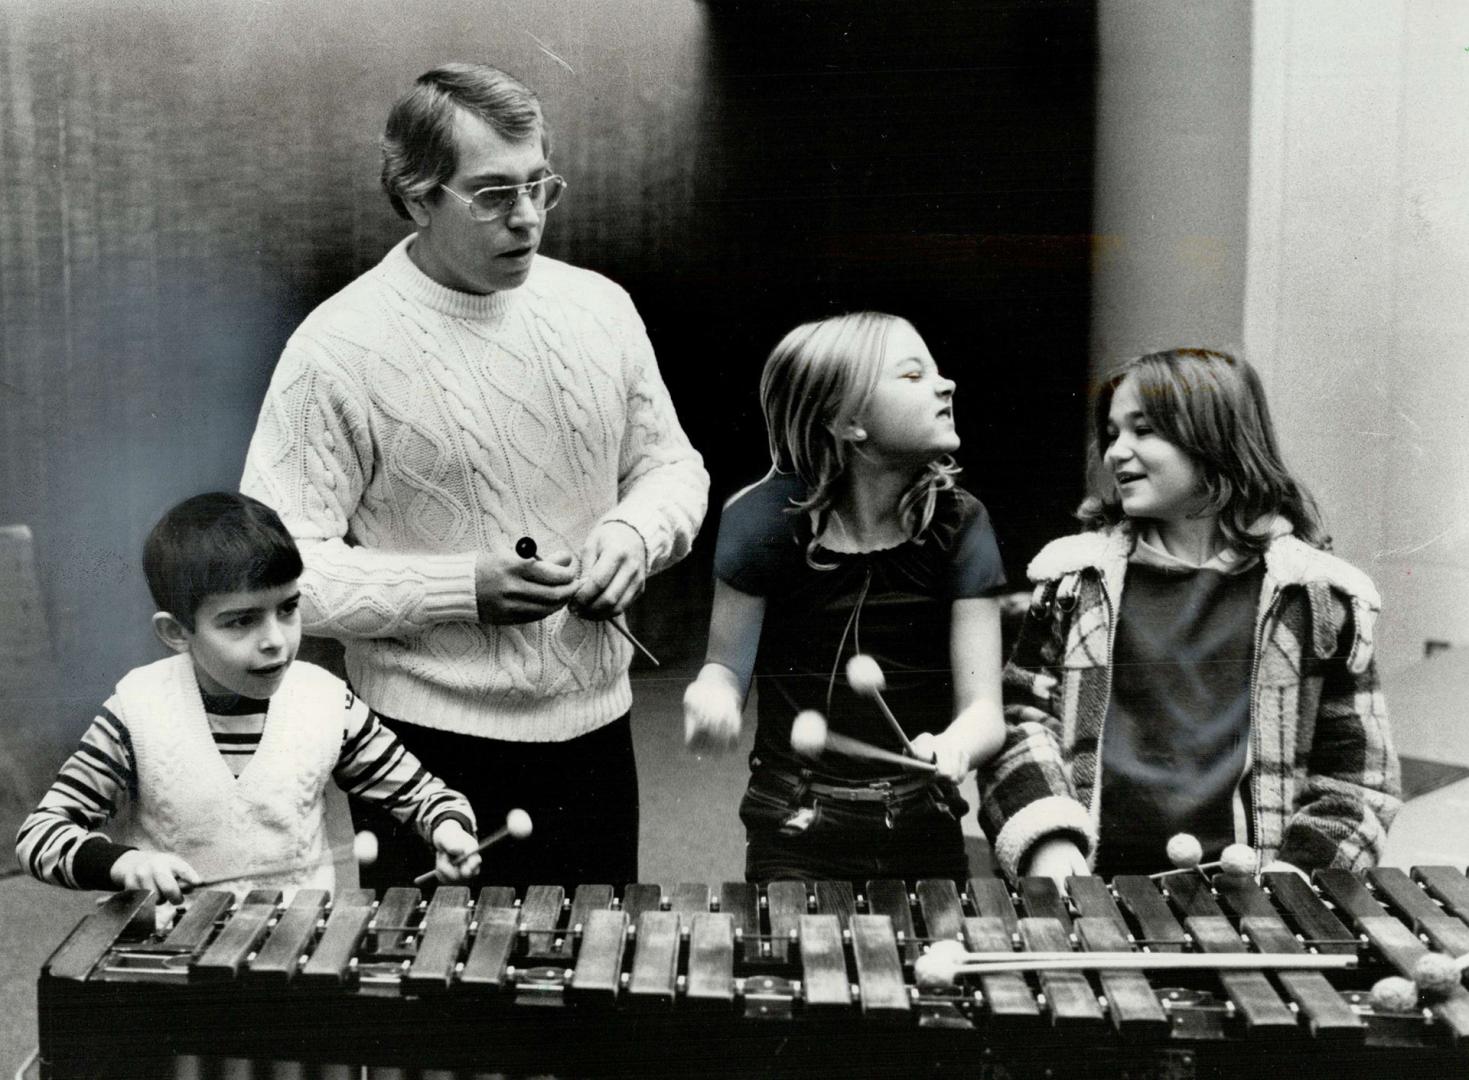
[1212, 406]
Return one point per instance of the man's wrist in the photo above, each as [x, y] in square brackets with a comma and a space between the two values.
[642, 540]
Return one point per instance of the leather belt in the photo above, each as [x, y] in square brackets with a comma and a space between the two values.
[875, 791]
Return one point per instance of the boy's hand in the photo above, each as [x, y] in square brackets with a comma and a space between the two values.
[949, 754]
[454, 842]
[157, 870]
[614, 571]
[711, 713]
[1058, 859]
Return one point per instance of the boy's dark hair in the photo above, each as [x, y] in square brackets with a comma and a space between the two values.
[219, 542]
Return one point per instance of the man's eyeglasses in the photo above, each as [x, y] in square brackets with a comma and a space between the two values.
[490, 203]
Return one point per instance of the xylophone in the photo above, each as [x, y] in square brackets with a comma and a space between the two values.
[791, 978]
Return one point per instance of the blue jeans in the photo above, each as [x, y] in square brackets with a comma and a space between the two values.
[914, 836]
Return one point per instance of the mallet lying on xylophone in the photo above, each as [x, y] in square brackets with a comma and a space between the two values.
[1434, 976]
[1186, 854]
[946, 961]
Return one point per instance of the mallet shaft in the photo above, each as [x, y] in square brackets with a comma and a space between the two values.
[893, 722]
[333, 854]
[429, 876]
[845, 744]
[625, 632]
[982, 964]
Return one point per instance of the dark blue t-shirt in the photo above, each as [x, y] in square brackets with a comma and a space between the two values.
[1177, 731]
[901, 598]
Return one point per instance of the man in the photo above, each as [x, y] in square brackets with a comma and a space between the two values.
[462, 394]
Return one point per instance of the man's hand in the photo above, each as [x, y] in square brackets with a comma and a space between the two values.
[947, 751]
[453, 842]
[157, 870]
[510, 589]
[1058, 859]
[614, 571]
[711, 711]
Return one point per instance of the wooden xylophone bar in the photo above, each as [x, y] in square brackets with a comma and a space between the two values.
[793, 978]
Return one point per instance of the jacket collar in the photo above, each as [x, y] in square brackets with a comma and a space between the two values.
[1288, 561]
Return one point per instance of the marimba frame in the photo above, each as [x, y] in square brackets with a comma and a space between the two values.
[105, 1023]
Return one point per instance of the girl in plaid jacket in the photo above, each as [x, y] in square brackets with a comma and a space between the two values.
[1196, 661]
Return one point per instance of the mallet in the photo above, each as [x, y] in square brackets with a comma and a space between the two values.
[525, 547]
[810, 737]
[1185, 853]
[945, 961]
[517, 824]
[364, 850]
[1434, 978]
[864, 676]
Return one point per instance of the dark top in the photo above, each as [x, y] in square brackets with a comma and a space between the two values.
[900, 598]
[1174, 747]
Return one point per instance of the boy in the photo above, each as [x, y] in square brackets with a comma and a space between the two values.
[214, 762]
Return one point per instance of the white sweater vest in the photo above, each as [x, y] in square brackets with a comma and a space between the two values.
[270, 822]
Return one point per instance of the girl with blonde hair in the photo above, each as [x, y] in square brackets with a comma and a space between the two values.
[858, 541]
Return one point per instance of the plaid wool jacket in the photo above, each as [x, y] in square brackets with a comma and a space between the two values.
[1322, 772]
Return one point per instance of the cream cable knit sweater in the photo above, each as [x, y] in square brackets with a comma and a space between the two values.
[409, 426]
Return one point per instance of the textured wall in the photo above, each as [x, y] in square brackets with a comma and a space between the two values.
[1173, 138]
[1358, 300]
[180, 182]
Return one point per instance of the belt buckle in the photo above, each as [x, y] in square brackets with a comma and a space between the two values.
[885, 787]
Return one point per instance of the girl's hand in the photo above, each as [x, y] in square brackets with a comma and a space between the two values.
[454, 842]
[948, 753]
[1058, 859]
[711, 711]
[156, 870]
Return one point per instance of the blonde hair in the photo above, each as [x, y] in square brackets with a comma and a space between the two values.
[817, 380]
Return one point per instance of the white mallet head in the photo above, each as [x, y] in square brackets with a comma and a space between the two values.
[1185, 851]
[933, 972]
[1395, 994]
[1238, 859]
[517, 824]
[364, 848]
[1436, 974]
[808, 733]
[949, 950]
[865, 676]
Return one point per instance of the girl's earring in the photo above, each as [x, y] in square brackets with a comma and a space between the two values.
[858, 435]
